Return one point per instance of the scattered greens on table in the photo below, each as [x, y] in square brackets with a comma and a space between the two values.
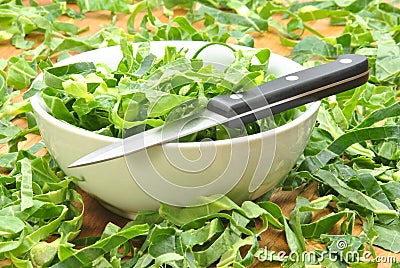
[353, 154]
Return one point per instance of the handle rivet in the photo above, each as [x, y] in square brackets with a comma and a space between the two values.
[292, 78]
[345, 61]
[236, 96]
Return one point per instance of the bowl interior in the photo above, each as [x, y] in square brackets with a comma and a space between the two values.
[217, 54]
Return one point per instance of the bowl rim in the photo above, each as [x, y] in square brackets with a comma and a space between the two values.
[38, 107]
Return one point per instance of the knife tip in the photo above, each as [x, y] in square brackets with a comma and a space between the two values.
[94, 158]
[83, 161]
[76, 164]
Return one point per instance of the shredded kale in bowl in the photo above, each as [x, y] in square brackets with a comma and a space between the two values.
[145, 91]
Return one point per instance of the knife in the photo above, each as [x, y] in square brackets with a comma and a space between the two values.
[235, 110]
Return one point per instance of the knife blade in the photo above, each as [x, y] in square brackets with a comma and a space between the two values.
[235, 110]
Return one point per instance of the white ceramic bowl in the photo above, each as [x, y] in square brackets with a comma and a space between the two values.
[178, 173]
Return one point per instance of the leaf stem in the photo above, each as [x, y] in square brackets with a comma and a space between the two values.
[212, 44]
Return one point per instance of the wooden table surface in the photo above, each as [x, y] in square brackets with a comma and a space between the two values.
[96, 217]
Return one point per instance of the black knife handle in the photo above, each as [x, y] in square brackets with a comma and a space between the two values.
[346, 72]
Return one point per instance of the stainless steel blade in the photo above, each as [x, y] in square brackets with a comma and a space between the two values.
[169, 132]
[200, 121]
